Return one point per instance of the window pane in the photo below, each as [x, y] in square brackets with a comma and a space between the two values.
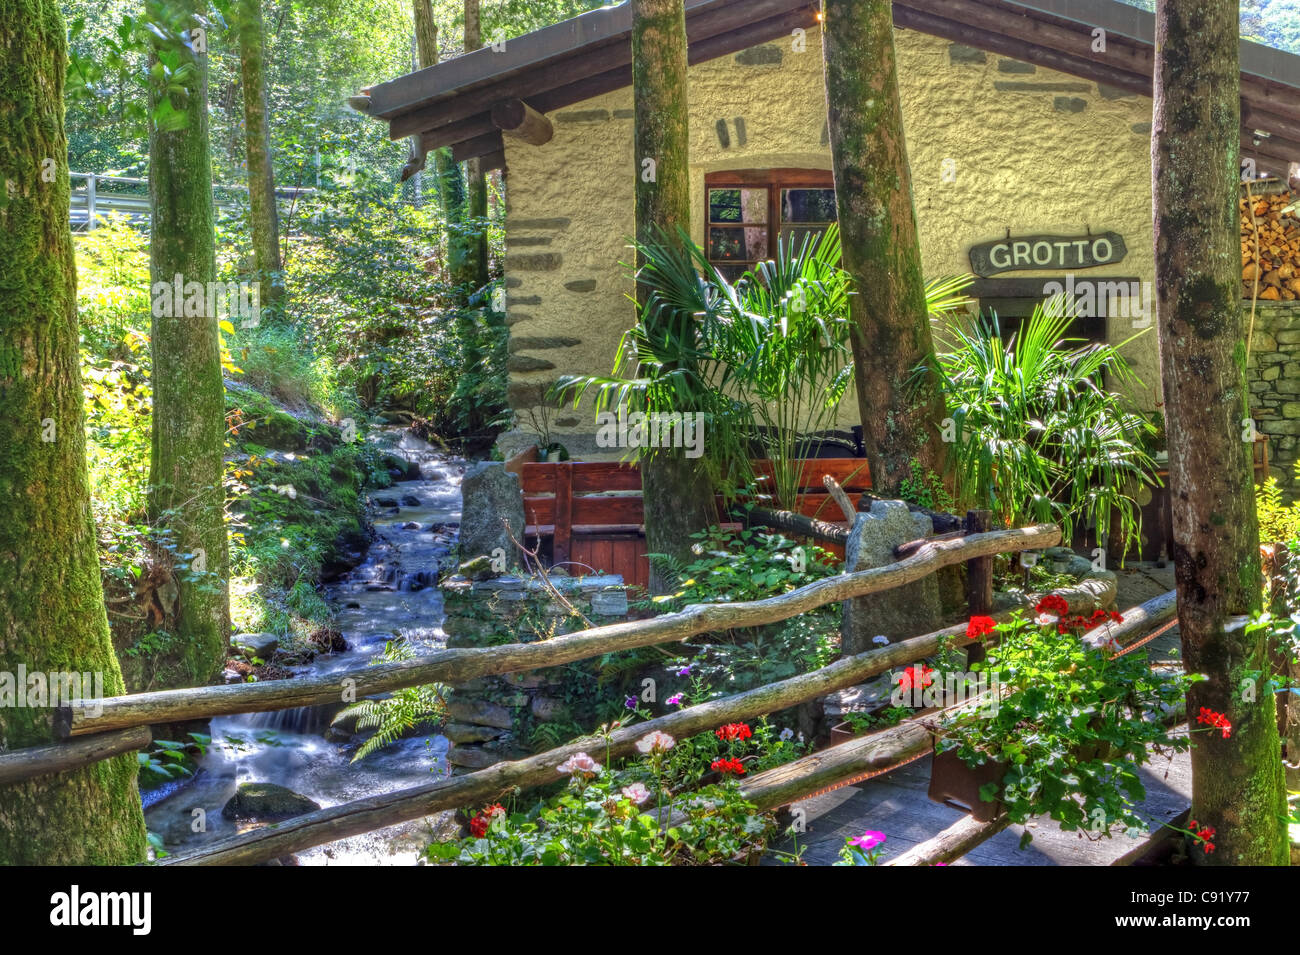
[744, 245]
[808, 205]
[737, 205]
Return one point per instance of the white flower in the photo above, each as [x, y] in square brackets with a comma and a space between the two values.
[787, 734]
[657, 740]
[636, 792]
[579, 763]
[880, 640]
[1046, 620]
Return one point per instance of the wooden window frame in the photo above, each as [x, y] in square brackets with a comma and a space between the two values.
[773, 180]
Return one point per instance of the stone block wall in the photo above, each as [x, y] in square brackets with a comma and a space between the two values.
[1273, 377]
[491, 719]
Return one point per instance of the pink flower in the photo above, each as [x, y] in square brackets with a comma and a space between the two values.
[868, 840]
[636, 792]
[657, 741]
[674, 700]
[579, 763]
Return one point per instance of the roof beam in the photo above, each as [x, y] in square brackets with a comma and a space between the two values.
[518, 120]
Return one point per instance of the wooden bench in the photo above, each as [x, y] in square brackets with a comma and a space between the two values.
[592, 515]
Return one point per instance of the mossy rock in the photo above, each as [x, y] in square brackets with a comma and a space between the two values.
[266, 802]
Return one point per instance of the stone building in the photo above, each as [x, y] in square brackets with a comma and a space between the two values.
[1028, 133]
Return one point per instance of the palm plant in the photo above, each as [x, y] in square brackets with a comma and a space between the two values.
[765, 359]
[1038, 436]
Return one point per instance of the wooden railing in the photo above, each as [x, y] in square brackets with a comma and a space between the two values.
[117, 723]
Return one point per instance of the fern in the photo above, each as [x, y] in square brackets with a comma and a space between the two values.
[551, 735]
[407, 709]
[1279, 523]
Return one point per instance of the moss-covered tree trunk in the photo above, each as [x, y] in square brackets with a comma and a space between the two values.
[678, 498]
[476, 267]
[1237, 781]
[901, 417]
[52, 616]
[185, 495]
[264, 219]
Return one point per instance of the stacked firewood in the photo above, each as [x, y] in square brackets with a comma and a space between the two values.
[1277, 266]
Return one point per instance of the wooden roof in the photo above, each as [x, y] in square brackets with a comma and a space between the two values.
[450, 104]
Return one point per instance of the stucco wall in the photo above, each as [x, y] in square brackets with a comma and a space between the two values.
[994, 144]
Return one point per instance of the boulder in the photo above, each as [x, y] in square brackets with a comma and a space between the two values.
[479, 712]
[902, 611]
[491, 502]
[410, 500]
[467, 733]
[266, 802]
[256, 644]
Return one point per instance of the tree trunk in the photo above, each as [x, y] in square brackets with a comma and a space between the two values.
[451, 185]
[677, 496]
[477, 266]
[51, 603]
[186, 469]
[873, 188]
[1237, 782]
[264, 220]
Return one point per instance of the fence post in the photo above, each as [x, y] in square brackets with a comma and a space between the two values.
[90, 201]
[979, 579]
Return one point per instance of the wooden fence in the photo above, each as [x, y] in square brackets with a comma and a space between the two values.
[117, 724]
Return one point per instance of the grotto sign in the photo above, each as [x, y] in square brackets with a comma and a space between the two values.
[1056, 252]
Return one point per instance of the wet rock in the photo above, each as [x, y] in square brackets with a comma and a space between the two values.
[467, 733]
[230, 676]
[410, 500]
[266, 802]
[336, 734]
[471, 757]
[479, 712]
[385, 502]
[411, 526]
[255, 644]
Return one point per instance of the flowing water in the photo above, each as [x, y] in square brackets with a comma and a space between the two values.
[394, 590]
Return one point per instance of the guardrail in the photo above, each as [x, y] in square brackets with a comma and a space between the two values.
[98, 196]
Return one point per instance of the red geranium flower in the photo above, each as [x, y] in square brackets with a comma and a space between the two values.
[728, 766]
[482, 821]
[1202, 835]
[1053, 604]
[1212, 718]
[980, 626]
[733, 731]
[908, 680]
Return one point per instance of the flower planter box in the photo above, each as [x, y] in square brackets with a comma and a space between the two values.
[954, 783]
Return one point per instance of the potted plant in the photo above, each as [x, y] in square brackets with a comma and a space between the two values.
[1066, 732]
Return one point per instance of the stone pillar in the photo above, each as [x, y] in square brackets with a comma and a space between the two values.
[898, 613]
[491, 499]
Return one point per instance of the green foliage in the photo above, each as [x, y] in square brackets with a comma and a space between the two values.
[1279, 522]
[742, 565]
[166, 759]
[405, 711]
[926, 489]
[1039, 436]
[1072, 725]
[615, 815]
[766, 360]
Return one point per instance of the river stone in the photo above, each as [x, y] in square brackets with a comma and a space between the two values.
[472, 757]
[466, 733]
[410, 500]
[902, 611]
[480, 712]
[547, 710]
[266, 801]
[492, 501]
[256, 644]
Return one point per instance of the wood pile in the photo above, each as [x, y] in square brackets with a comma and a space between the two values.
[1278, 265]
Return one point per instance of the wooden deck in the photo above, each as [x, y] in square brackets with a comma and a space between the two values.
[897, 805]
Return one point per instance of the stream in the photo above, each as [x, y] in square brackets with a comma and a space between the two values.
[394, 590]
